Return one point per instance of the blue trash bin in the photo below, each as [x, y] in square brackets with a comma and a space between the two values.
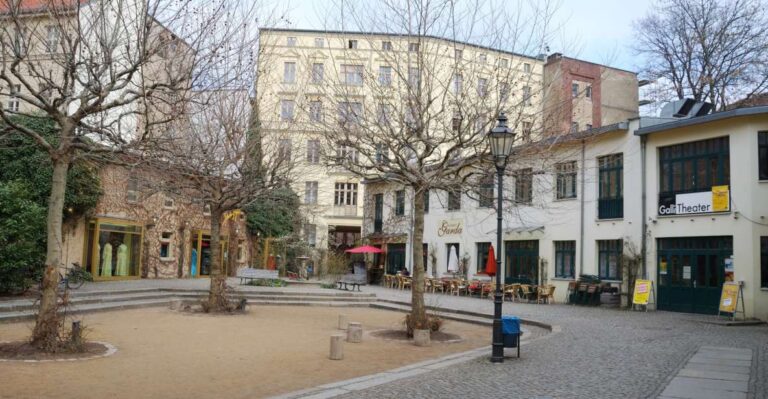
[510, 330]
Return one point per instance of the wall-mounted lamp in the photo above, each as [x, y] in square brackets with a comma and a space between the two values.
[736, 214]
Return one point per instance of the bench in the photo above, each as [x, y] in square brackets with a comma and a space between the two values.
[256, 274]
[356, 279]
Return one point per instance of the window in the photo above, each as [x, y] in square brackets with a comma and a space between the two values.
[286, 110]
[414, 77]
[132, 189]
[319, 42]
[352, 44]
[385, 76]
[526, 67]
[482, 255]
[609, 259]
[13, 99]
[762, 154]
[169, 203]
[310, 234]
[527, 95]
[382, 154]
[400, 203]
[503, 62]
[503, 91]
[588, 92]
[313, 151]
[574, 90]
[482, 87]
[565, 259]
[165, 245]
[345, 194]
[289, 72]
[352, 75]
[524, 186]
[284, 149]
[310, 192]
[318, 73]
[350, 113]
[291, 41]
[482, 58]
[346, 153]
[386, 46]
[764, 262]
[456, 121]
[426, 201]
[378, 212]
[452, 248]
[53, 34]
[566, 180]
[413, 47]
[610, 197]
[458, 81]
[693, 167]
[527, 128]
[458, 54]
[385, 114]
[485, 192]
[316, 111]
[454, 200]
[207, 210]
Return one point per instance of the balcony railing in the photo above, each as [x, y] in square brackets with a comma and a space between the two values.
[344, 210]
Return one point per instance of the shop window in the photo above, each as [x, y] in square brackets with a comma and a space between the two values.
[482, 255]
[609, 259]
[565, 255]
[566, 180]
[165, 245]
[400, 203]
[764, 262]
[611, 196]
[524, 186]
[762, 150]
[113, 249]
[452, 249]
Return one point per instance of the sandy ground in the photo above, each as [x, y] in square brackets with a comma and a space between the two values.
[272, 350]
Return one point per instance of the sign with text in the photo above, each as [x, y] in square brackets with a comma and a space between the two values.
[450, 227]
[642, 292]
[729, 297]
[715, 200]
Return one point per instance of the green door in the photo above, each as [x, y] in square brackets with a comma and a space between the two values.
[691, 272]
[522, 261]
[395, 258]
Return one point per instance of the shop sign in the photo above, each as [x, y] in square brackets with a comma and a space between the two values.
[686, 272]
[642, 292]
[715, 200]
[450, 227]
[729, 297]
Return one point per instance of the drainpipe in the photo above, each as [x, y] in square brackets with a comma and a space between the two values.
[643, 200]
[581, 214]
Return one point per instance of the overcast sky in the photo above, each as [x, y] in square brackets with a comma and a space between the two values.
[593, 30]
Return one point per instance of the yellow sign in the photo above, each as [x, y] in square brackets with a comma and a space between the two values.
[720, 198]
[234, 214]
[729, 297]
[642, 292]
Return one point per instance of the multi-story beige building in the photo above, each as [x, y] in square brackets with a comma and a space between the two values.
[309, 81]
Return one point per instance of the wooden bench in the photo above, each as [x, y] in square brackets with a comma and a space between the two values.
[256, 274]
[355, 280]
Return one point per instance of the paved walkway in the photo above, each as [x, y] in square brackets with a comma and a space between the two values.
[713, 372]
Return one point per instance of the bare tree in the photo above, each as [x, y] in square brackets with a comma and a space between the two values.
[421, 123]
[108, 73]
[709, 50]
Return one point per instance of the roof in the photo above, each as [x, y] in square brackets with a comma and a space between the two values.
[717, 116]
[348, 32]
[32, 6]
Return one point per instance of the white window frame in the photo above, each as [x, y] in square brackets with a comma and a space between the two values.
[166, 241]
[290, 41]
[318, 72]
[385, 75]
[310, 192]
[313, 151]
[352, 75]
[287, 110]
[316, 111]
[289, 72]
[345, 194]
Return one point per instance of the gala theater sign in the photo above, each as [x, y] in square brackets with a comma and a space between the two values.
[716, 200]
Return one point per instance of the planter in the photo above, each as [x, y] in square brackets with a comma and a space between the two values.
[421, 337]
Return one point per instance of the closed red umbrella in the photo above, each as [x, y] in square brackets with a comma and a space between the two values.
[365, 249]
[490, 265]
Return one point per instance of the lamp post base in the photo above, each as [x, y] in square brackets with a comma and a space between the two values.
[497, 352]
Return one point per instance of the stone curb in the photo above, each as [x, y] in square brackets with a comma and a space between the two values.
[111, 350]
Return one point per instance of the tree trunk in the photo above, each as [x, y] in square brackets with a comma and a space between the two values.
[418, 310]
[232, 248]
[217, 296]
[45, 335]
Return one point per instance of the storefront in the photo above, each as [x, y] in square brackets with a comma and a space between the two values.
[201, 255]
[113, 249]
[522, 261]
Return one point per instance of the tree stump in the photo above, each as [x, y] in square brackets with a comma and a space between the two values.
[355, 332]
[421, 337]
[343, 322]
[337, 347]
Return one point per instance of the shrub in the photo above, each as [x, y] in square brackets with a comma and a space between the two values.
[22, 238]
[263, 282]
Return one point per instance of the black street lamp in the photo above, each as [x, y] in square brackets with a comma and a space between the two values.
[502, 138]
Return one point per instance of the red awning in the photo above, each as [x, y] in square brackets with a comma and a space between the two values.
[365, 249]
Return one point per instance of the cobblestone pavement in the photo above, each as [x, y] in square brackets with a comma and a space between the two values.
[599, 353]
